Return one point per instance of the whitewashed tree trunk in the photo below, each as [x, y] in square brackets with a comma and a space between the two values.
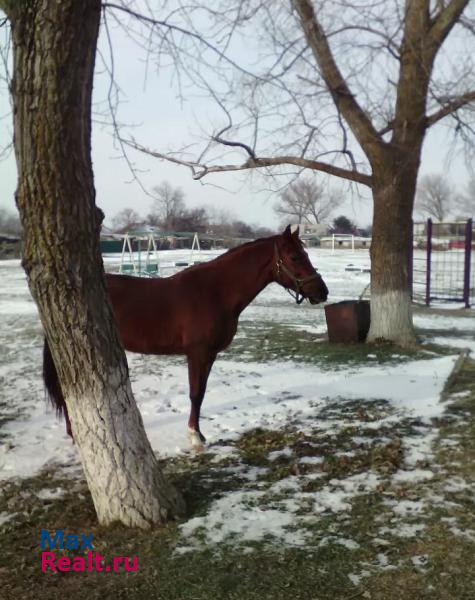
[122, 474]
[391, 317]
[391, 311]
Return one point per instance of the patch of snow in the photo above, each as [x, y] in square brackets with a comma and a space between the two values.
[279, 453]
[459, 395]
[420, 560]
[349, 544]
[332, 499]
[412, 476]
[404, 530]
[465, 533]
[239, 515]
[223, 452]
[360, 483]
[455, 342]
[456, 484]
[50, 494]
[311, 460]
[285, 485]
[5, 517]
[405, 508]
[419, 448]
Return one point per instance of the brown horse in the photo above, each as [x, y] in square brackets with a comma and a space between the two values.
[196, 311]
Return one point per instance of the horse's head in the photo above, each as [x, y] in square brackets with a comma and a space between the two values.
[294, 271]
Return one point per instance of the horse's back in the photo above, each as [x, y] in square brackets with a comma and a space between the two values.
[161, 293]
[167, 315]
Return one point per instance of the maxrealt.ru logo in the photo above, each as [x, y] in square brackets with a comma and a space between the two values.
[91, 561]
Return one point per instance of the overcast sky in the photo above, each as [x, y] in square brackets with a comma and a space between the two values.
[164, 123]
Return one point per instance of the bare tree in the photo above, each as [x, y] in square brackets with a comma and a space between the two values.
[349, 89]
[221, 221]
[466, 201]
[436, 197]
[126, 219]
[307, 201]
[54, 49]
[439, 199]
[168, 206]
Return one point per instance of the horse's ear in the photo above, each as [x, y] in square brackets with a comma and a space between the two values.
[296, 232]
[287, 231]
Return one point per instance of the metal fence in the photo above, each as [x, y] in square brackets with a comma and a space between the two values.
[443, 266]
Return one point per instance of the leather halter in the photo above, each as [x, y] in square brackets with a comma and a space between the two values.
[299, 282]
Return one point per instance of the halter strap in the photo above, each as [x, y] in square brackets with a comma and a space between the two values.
[299, 282]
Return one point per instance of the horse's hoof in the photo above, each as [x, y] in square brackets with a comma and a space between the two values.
[197, 440]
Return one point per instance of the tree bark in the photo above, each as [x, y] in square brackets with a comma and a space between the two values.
[393, 194]
[54, 47]
[395, 169]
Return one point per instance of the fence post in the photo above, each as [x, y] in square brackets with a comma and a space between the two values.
[429, 256]
[467, 262]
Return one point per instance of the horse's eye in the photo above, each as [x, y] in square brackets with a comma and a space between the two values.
[295, 258]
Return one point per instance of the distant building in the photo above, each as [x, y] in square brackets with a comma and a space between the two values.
[317, 229]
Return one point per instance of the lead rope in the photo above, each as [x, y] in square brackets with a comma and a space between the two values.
[295, 295]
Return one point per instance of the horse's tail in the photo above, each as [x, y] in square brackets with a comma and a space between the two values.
[53, 387]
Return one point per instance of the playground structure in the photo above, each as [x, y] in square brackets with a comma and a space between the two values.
[140, 256]
[132, 263]
[195, 247]
[442, 262]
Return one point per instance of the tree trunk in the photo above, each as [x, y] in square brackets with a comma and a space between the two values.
[391, 313]
[54, 47]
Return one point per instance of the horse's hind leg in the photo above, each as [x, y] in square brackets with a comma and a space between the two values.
[199, 367]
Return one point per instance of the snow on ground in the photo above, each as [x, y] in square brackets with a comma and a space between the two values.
[241, 396]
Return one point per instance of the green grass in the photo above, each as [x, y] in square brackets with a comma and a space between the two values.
[271, 341]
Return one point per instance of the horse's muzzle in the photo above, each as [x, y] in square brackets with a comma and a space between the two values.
[321, 296]
[317, 300]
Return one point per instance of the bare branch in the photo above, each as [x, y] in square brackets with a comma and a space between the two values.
[113, 101]
[391, 46]
[451, 107]
[247, 148]
[445, 20]
[192, 34]
[200, 170]
[344, 100]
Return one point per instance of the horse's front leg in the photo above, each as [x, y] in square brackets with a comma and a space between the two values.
[199, 367]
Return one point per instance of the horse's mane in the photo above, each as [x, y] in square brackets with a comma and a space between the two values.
[238, 249]
[241, 247]
[233, 251]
